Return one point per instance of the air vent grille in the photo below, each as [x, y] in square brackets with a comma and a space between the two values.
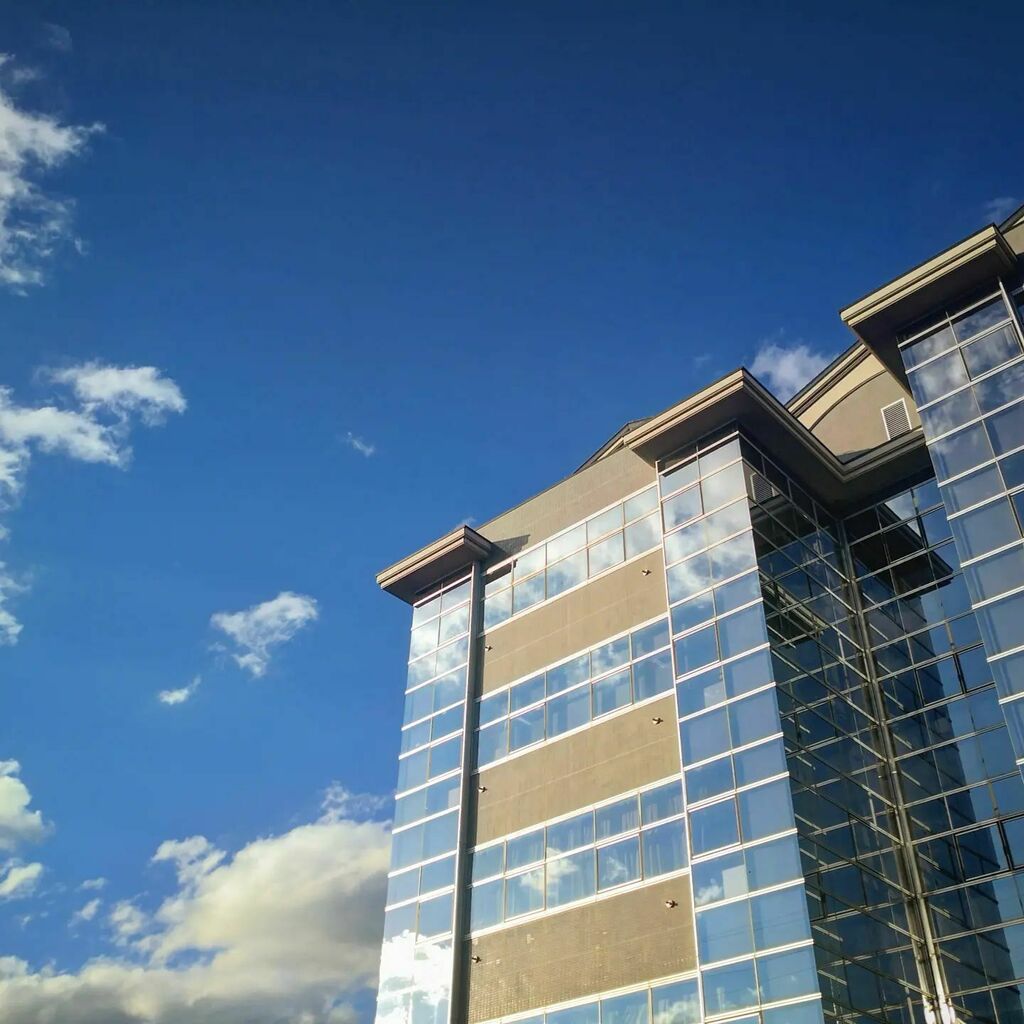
[896, 419]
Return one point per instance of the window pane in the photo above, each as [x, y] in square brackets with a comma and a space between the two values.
[529, 563]
[611, 655]
[961, 451]
[772, 863]
[454, 623]
[742, 631]
[780, 918]
[664, 849]
[642, 535]
[732, 557]
[677, 1003]
[488, 862]
[1001, 388]
[526, 693]
[621, 816]
[652, 676]
[996, 575]
[785, 975]
[802, 1013]
[618, 863]
[492, 743]
[695, 650]
[729, 988]
[714, 827]
[569, 674]
[604, 523]
[759, 763]
[938, 378]
[709, 780]
[586, 1014]
[524, 850]
[486, 903]
[567, 573]
[663, 802]
[412, 770]
[719, 879]
[497, 608]
[524, 893]
[439, 835]
[723, 486]
[403, 887]
[1006, 429]
[991, 351]
[612, 692]
[928, 346]
[567, 543]
[950, 413]
[447, 722]
[985, 528]
[627, 1009]
[692, 613]
[688, 578]
[568, 711]
[705, 736]
[739, 592]
[640, 504]
[526, 728]
[753, 718]
[765, 810]
[971, 489]
[436, 916]
[681, 508]
[446, 756]
[525, 595]
[724, 933]
[980, 319]
[570, 878]
[571, 834]
[649, 638]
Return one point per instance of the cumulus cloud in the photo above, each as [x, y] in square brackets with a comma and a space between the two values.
[786, 368]
[179, 696]
[91, 423]
[18, 824]
[255, 631]
[33, 224]
[1000, 208]
[286, 929]
[19, 880]
[357, 444]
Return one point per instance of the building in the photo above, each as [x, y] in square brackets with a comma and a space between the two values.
[727, 725]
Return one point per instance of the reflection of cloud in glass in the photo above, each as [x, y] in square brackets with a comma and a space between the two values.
[708, 893]
[681, 1011]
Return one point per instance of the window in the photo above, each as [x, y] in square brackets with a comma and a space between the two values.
[618, 863]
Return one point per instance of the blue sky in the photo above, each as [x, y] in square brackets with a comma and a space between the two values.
[286, 291]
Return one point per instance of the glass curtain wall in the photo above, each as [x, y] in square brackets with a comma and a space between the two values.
[966, 370]
[753, 931]
[416, 957]
[955, 763]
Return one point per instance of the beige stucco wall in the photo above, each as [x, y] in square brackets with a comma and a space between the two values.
[579, 619]
[622, 940]
[567, 502]
[622, 753]
[855, 424]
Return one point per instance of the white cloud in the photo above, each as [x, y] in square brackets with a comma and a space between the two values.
[94, 884]
[257, 630]
[357, 444]
[786, 368]
[286, 929]
[57, 37]
[17, 823]
[19, 881]
[92, 424]
[32, 223]
[85, 913]
[1000, 208]
[126, 921]
[172, 697]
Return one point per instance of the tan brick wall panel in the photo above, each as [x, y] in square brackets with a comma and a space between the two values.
[622, 940]
[623, 753]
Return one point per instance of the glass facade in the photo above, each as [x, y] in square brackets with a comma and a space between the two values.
[416, 973]
[849, 691]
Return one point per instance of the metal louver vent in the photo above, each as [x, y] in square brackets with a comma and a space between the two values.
[760, 489]
[896, 419]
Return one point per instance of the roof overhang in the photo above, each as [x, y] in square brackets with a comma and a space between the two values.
[455, 551]
[741, 399]
[877, 318]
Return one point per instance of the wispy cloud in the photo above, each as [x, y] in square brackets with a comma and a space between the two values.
[179, 696]
[57, 37]
[85, 913]
[257, 630]
[33, 224]
[784, 367]
[89, 419]
[285, 928]
[93, 884]
[1000, 208]
[17, 881]
[357, 444]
